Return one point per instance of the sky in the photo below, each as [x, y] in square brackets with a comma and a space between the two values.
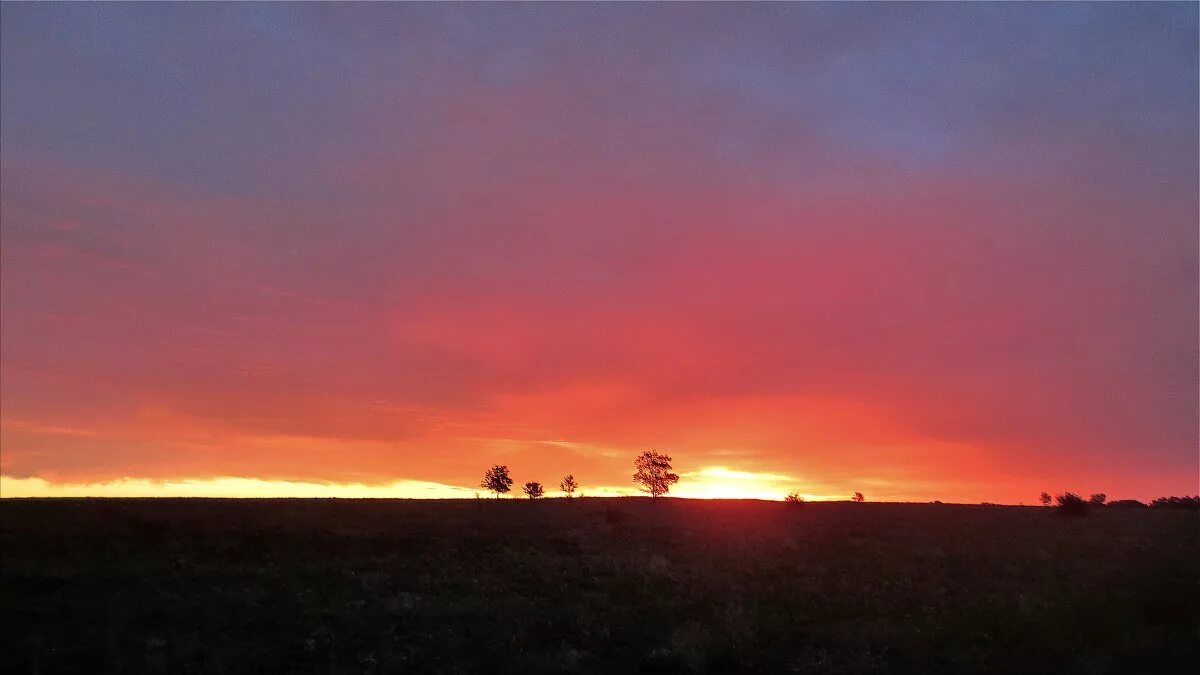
[942, 251]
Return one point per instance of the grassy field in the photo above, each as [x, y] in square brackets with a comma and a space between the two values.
[593, 586]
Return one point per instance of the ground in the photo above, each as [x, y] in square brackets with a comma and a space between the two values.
[593, 586]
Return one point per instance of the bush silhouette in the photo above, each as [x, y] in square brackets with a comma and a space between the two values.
[533, 489]
[1071, 504]
[858, 497]
[1186, 503]
[1098, 499]
[1045, 499]
[794, 498]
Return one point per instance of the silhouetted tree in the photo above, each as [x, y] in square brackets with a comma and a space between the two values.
[1071, 504]
[496, 480]
[533, 489]
[1046, 499]
[794, 498]
[654, 474]
[1098, 499]
[858, 497]
[569, 485]
[1187, 503]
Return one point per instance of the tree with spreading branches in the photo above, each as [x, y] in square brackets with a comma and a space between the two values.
[653, 473]
[569, 485]
[533, 489]
[497, 480]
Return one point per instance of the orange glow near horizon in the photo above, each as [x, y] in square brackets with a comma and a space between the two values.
[734, 437]
[185, 456]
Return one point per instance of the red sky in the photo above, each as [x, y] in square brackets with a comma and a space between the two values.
[939, 252]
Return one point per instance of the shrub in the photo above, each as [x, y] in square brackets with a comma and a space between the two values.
[1187, 503]
[1071, 504]
[794, 498]
[1127, 504]
[1098, 499]
[533, 489]
[858, 497]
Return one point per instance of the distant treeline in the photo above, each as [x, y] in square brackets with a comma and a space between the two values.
[1185, 503]
[1072, 504]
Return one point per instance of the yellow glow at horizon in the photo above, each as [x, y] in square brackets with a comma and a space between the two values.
[718, 482]
[708, 483]
[227, 487]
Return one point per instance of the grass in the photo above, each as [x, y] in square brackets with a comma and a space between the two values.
[593, 586]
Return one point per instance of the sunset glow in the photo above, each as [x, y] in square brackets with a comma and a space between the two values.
[941, 251]
[710, 483]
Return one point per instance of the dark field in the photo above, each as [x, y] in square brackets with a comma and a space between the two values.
[596, 586]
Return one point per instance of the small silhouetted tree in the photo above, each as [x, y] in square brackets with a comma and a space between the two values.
[496, 480]
[533, 489]
[569, 485]
[654, 474]
[794, 498]
[858, 497]
[1071, 504]
[1046, 499]
[1098, 499]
